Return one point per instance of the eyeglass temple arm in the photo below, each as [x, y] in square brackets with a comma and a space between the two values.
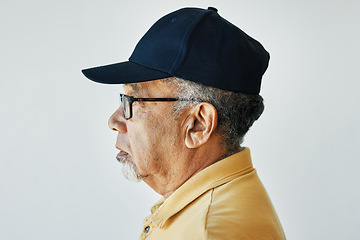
[164, 99]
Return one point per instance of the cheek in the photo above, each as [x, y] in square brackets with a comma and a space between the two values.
[142, 141]
[151, 141]
[152, 135]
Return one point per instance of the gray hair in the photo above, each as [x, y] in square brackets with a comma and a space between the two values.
[236, 111]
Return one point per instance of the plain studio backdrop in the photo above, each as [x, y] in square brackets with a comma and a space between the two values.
[59, 178]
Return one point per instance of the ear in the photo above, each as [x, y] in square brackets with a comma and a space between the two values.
[200, 125]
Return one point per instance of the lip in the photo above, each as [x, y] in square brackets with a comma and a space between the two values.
[122, 153]
[119, 148]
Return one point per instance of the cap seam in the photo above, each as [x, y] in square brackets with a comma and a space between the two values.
[191, 26]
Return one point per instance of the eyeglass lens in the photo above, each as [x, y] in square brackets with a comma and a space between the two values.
[125, 101]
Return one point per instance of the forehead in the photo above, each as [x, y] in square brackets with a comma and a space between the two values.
[154, 88]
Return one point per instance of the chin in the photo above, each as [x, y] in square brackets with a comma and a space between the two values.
[129, 171]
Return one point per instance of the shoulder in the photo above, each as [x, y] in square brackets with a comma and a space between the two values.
[241, 209]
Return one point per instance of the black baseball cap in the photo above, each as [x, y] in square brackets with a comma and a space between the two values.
[193, 44]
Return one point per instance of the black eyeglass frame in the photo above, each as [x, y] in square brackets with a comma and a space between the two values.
[131, 100]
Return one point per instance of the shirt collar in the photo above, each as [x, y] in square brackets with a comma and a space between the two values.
[214, 175]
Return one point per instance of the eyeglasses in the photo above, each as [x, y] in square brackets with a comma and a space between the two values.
[127, 102]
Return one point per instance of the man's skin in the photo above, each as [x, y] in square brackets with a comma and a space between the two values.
[166, 151]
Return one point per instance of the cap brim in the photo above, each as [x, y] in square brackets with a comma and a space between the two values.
[124, 72]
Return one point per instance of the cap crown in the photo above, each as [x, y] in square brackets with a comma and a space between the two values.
[199, 45]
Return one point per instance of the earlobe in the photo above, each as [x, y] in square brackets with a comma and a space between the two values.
[201, 125]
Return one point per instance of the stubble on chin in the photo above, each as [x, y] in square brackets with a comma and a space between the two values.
[128, 169]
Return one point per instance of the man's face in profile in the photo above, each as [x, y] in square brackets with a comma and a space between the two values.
[151, 138]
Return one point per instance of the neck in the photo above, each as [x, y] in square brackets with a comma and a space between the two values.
[183, 167]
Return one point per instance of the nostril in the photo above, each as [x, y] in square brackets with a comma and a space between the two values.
[117, 122]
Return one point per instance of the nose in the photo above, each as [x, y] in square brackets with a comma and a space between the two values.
[117, 121]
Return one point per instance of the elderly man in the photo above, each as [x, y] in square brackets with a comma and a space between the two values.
[191, 92]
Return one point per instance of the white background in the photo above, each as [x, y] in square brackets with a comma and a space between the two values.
[58, 175]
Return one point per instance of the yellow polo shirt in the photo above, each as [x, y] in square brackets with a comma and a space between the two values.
[224, 201]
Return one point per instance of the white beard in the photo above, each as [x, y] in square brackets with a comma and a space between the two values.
[128, 170]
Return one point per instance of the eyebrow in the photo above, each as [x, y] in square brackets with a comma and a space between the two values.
[134, 87]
